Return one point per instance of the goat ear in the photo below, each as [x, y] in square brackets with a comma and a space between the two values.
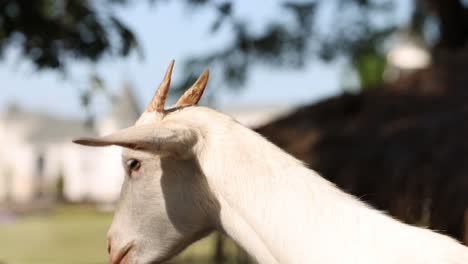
[151, 137]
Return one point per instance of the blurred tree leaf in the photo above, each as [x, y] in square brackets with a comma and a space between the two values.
[357, 34]
[51, 32]
[370, 67]
[224, 11]
[294, 45]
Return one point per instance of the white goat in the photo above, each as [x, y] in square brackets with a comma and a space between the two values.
[192, 170]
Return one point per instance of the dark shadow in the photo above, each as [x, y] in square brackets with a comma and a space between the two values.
[188, 199]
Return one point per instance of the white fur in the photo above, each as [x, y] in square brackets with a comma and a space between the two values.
[233, 180]
[282, 212]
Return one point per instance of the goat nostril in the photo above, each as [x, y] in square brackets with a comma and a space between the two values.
[108, 246]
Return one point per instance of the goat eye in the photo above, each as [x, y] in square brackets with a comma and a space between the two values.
[133, 164]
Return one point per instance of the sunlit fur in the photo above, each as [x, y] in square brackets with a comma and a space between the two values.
[234, 181]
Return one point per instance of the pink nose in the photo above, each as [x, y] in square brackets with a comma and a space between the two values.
[118, 255]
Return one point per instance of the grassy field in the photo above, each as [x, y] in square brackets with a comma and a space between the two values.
[76, 234]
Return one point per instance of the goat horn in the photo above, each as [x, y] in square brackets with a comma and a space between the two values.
[157, 103]
[194, 93]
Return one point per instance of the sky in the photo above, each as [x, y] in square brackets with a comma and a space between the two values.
[168, 31]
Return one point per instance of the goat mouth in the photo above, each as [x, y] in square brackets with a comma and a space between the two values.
[121, 257]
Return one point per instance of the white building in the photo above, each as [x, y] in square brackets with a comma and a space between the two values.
[37, 154]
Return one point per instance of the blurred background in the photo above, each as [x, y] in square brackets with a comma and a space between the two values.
[370, 93]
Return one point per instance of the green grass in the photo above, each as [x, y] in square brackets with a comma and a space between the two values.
[77, 234]
[66, 235]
